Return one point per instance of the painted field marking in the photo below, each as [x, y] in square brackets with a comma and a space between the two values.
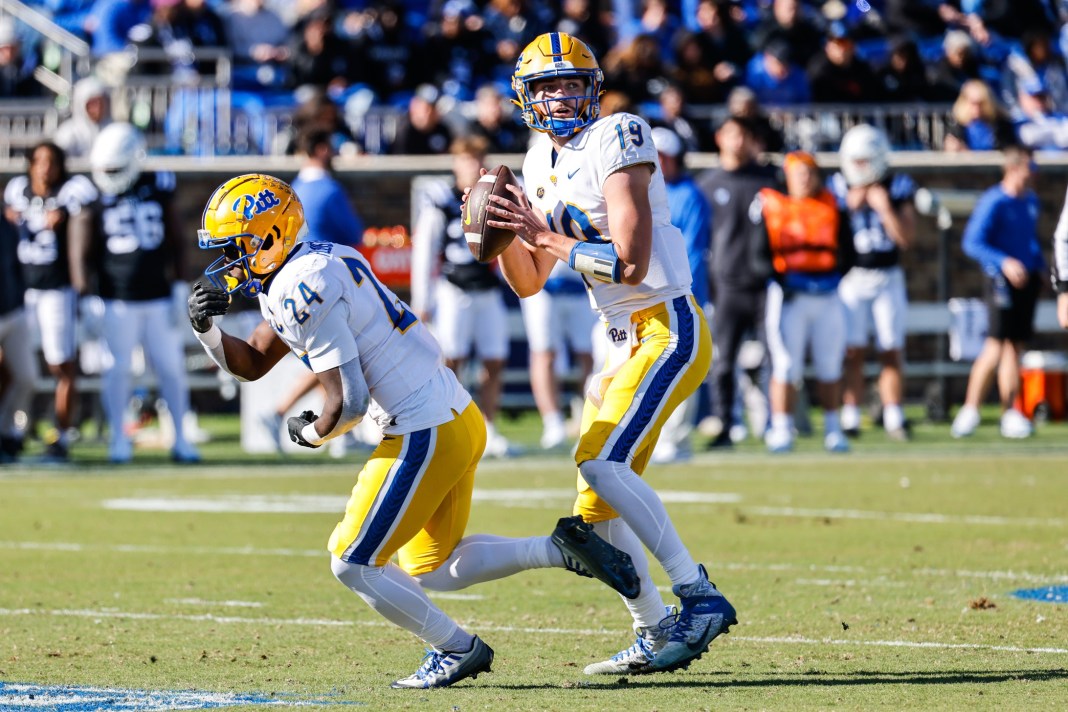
[61, 698]
[331, 504]
[312, 504]
[71, 547]
[105, 613]
[223, 604]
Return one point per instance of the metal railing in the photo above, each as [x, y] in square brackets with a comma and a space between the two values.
[74, 55]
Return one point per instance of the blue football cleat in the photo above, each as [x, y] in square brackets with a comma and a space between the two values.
[706, 613]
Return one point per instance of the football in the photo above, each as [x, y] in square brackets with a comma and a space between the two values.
[485, 241]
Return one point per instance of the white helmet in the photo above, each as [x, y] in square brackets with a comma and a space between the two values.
[116, 158]
[864, 155]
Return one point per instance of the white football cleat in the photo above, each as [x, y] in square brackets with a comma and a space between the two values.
[441, 669]
[638, 658]
[966, 422]
[1015, 425]
[835, 441]
[779, 440]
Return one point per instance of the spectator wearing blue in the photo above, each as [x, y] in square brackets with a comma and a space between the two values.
[691, 213]
[260, 42]
[1038, 125]
[327, 210]
[16, 69]
[978, 123]
[110, 21]
[774, 80]
[1002, 236]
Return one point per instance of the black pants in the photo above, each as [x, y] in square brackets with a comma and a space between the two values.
[738, 313]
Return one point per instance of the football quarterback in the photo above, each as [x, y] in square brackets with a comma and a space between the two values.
[322, 302]
[598, 203]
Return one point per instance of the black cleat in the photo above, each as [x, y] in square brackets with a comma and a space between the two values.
[587, 554]
[722, 441]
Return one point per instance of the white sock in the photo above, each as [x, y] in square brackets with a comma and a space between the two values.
[831, 422]
[553, 420]
[398, 598]
[485, 557]
[850, 417]
[782, 421]
[640, 507]
[648, 608]
[893, 417]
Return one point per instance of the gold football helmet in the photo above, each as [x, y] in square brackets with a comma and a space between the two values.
[255, 220]
[556, 54]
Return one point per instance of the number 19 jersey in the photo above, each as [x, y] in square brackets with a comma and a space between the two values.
[566, 185]
[329, 308]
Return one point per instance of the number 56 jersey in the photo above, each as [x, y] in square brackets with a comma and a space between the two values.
[567, 187]
[329, 308]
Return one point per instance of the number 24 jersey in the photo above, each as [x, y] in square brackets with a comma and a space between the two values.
[329, 308]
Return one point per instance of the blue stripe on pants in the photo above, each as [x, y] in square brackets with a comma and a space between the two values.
[394, 498]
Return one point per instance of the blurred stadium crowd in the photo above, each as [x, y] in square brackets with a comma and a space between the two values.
[437, 69]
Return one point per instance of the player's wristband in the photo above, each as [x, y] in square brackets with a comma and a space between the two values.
[597, 259]
[210, 339]
[311, 436]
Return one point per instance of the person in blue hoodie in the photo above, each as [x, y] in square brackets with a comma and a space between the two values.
[774, 79]
[1002, 236]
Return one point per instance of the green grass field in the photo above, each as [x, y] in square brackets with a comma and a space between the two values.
[878, 579]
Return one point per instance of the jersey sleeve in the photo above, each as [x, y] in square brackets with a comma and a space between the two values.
[76, 193]
[902, 189]
[839, 190]
[13, 192]
[626, 141]
[166, 182]
[315, 315]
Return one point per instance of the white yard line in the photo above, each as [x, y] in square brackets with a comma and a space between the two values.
[851, 571]
[909, 517]
[324, 622]
[222, 604]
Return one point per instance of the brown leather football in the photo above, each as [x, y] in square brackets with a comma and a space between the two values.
[485, 241]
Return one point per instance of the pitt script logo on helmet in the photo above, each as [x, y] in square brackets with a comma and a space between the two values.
[255, 220]
[556, 54]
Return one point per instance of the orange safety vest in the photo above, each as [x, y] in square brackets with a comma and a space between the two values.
[802, 232]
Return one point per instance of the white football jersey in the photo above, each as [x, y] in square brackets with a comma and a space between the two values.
[569, 192]
[329, 308]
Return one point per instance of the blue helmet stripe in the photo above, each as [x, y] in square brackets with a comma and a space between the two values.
[554, 42]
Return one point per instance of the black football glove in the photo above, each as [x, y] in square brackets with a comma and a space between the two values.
[296, 425]
[206, 301]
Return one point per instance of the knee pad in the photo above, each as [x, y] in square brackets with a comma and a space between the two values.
[354, 576]
[601, 472]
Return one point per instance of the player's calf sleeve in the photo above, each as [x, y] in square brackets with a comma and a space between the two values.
[640, 507]
[648, 608]
[398, 598]
[485, 557]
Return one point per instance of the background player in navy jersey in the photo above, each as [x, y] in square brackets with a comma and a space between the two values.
[127, 252]
[16, 357]
[459, 296]
[40, 204]
[883, 223]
